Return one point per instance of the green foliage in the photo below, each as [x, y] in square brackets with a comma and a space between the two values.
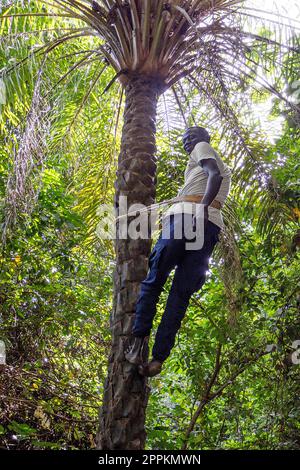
[56, 275]
[55, 303]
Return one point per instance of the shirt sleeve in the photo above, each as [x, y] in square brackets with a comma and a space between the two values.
[201, 151]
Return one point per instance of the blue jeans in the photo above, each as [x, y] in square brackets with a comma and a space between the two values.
[189, 277]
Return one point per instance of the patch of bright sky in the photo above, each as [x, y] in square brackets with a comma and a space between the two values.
[288, 8]
[286, 12]
[289, 13]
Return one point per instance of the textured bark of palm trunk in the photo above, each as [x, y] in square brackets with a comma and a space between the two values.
[122, 416]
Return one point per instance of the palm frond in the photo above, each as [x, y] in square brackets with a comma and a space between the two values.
[24, 180]
[210, 53]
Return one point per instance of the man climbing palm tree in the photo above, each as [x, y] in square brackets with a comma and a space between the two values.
[206, 186]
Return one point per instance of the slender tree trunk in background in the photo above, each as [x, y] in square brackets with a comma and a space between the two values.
[122, 417]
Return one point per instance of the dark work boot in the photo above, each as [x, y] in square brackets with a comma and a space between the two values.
[135, 349]
[151, 368]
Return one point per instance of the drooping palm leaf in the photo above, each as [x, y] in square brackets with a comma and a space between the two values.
[213, 44]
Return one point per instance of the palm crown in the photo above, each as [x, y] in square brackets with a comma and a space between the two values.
[152, 45]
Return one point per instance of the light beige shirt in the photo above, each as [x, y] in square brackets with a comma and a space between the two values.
[195, 180]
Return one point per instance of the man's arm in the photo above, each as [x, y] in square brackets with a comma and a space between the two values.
[214, 181]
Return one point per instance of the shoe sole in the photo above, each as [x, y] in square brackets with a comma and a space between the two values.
[140, 370]
[139, 359]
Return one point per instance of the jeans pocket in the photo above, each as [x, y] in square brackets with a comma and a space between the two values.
[155, 274]
[155, 256]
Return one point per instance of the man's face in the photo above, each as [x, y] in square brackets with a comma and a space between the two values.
[190, 139]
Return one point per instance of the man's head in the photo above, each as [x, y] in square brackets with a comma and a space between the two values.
[192, 136]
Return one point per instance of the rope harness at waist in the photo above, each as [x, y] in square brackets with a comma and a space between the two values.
[187, 198]
[198, 198]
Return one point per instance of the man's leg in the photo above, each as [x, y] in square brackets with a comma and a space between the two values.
[189, 277]
[164, 257]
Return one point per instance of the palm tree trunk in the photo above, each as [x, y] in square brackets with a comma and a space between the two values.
[122, 416]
